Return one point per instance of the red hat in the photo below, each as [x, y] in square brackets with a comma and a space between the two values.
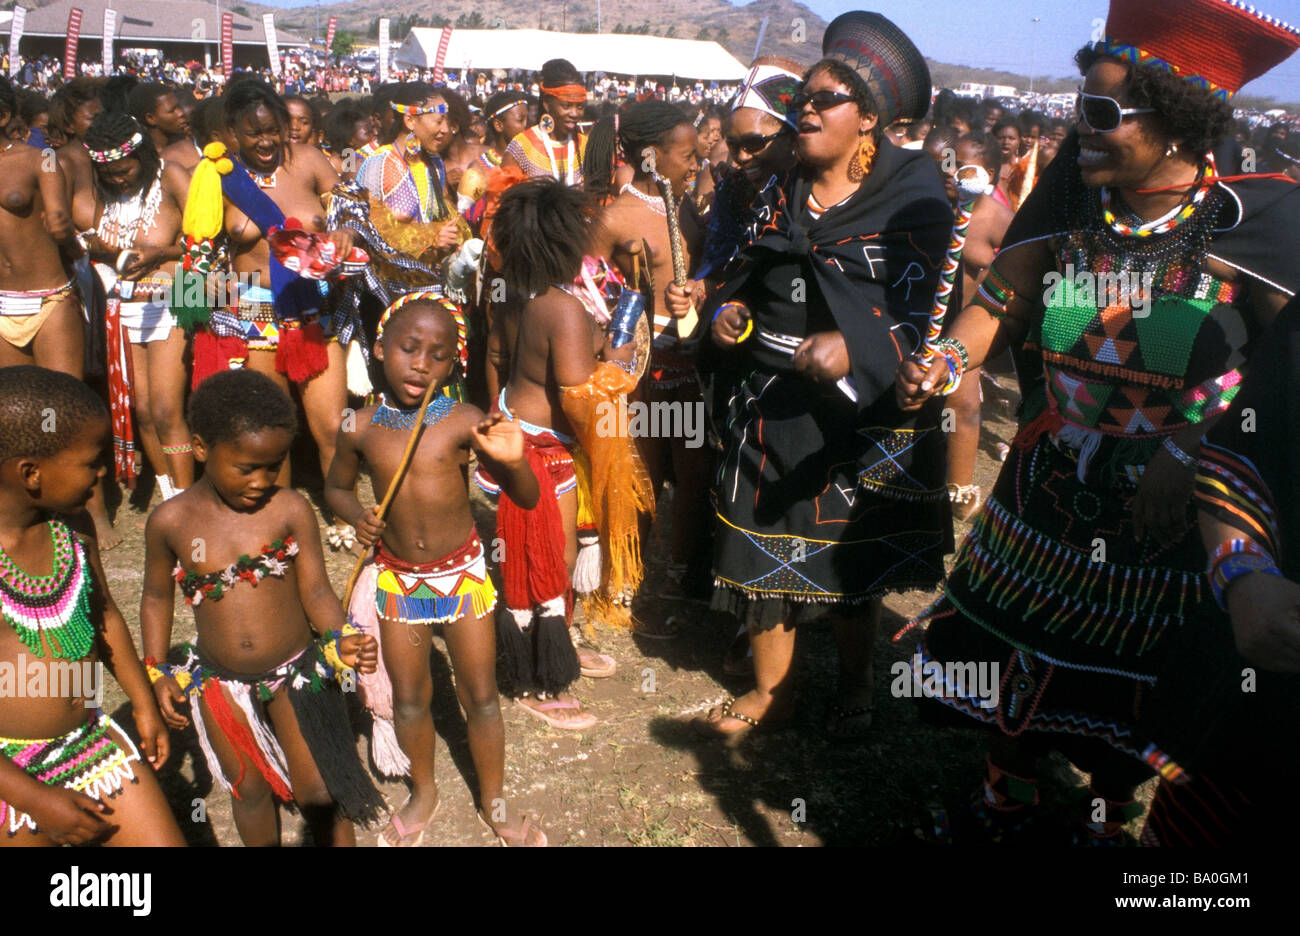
[1217, 44]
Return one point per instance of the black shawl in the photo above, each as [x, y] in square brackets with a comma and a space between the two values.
[873, 261]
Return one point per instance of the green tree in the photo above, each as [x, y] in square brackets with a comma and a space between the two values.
[470, 20]
[438, 21]
[703, 34]
[722, 34]
[373, 31]
[344, 43]
[241, 10]
[670, 32]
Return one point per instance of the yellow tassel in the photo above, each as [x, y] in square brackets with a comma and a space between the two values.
[205, 208]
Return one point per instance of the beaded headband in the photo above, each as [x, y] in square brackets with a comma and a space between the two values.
[117, 152]
[418, 110]
[505, 107]
[462, 347]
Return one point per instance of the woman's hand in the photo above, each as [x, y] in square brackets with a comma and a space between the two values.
[343, 240]
[143, 259]
[1160, 506]
[729, 324]
[679, 299]
[153, 735]
[69, 817]
[448, 236]
[823, 356]
[914, 383]
[1265, 613]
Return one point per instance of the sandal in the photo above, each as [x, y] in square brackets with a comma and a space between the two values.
[564, 724]
[520, 839]
[596, 665]
[708, 728]
[405, 832]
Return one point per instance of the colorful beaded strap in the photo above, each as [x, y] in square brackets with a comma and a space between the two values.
[273, 560]
[55, 607]
[1160, 225]
[390, 417]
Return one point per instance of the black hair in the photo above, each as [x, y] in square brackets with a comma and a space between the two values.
[560, 72]
[1029, 118]
[408, 93]
[598, 160]
[66, 101]
[992, 152]
[311, 111]
[541, 231]
[143, 99]
[858, 90]
[1182, 111]
[945, 136]
[42, 411]
[458, 114]
[109, 130]
[233, 402]
[1005, 125]
[502, 100]
[247, 96]
[341, 123]
[115, 94]
[649, 123]
[206, 120]
[410, 308]
[8, 98]
[31, 104]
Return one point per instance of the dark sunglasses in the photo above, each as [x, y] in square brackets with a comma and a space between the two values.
[1102, 113]
[820, 100]
[752, 143]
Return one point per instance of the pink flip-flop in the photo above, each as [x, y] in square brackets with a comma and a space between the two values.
[608, 667]
[570, 724]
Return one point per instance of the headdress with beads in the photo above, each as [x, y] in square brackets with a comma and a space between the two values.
[1219, 45]
[117, 152]
[462, 333]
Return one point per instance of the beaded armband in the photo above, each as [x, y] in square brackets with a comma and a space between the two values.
[994, 294]
[1170, 446]
[1233, 559]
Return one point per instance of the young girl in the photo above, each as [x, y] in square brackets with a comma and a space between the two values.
[429, 564]
[247, 556]
[63, 758]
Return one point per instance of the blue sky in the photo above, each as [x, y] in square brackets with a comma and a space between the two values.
[998, 33]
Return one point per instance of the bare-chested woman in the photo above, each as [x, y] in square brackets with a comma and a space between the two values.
[295, 177]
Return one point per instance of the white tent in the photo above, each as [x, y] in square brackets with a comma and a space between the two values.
[527, 49]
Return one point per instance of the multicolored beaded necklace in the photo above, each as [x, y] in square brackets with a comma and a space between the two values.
[390, 417]
[273, 561]
[54, 606]
[1164, 223]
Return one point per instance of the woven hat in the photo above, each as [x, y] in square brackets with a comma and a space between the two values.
[891, 65]
[1218, 45]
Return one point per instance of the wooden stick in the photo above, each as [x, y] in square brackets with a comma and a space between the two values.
[393, 485]
[686, 325]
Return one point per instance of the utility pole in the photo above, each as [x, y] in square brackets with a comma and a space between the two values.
[1033, 51]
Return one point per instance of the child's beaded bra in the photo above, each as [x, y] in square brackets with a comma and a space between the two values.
[273, 560]
[55, 607]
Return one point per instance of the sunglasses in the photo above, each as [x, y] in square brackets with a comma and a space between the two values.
[752, 143]
[820, 100]
[1102, 113]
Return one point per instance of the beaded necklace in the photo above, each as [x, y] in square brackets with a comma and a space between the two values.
[54, 606]
[654, 204]
[1164, 223]
[273, 561]
[390, 417]
[124, 219]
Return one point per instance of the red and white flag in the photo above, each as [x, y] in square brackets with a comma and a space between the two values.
[272, 47]
[443, 41]
[110, 27]
[70, 45]
[227, 44]
[16, 34]
[329, 34]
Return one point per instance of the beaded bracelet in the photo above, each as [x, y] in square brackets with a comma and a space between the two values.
[1233, 559]
[329, 645]
[1170, 446]
[952, 344]
[954, 353]
[994, 294]
[749, 319]
[185, 449]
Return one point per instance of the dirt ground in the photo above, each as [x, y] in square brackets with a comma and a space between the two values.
[641, 776]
